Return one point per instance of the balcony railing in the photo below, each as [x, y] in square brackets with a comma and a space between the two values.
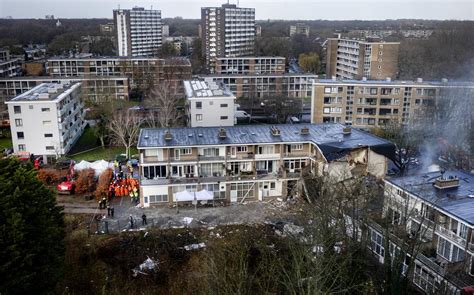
[450, 235]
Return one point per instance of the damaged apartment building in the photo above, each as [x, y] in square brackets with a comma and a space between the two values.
[250, 163]
[434, 212]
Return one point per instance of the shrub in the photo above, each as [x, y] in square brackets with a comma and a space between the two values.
[85, 181]
[48, 177]
[103, 184]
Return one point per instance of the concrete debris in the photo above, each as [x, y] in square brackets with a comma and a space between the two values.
[194, 246]
[187, 220]
[291, 229]
[146, 267]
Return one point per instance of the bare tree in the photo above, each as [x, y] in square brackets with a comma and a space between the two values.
[124, 127]
[163, 103]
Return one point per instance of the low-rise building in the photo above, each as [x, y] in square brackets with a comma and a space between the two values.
[366, 103]
[299, 29]
[96, 89]
[267, 85]
[143, 72]
[209, 104]
[250, 65]
[9, 67]
[251, 162]
[46, 120]
[435, 209]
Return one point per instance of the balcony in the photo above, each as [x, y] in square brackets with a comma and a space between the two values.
[267, 156]
[450, 235]
[300, 154]
[210, 158]
[241, 156]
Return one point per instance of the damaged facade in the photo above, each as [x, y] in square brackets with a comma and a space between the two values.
[253, 162]
[437, 209]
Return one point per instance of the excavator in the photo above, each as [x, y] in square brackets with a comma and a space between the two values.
[67, 186]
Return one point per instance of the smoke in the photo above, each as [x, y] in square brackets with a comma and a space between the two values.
[448, 130]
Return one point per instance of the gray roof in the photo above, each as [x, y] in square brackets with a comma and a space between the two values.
[329, 137]
[454, 201]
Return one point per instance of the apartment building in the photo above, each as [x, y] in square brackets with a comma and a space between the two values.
[267, 85]
[227, 31]
[46, 120]
[356, 59]
[367, 104]
[141, 71]
[96, 89]
[299, 29]
[139, 31]
[250, 65]
[9, 67]
[251, 162]
[434, 208]
[209, 104]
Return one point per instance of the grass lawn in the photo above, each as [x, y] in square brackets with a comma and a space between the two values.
[5, 143]
[86, 142]
[107, 154]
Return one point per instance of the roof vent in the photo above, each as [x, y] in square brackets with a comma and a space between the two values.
[364, 78]
[304, 131]
[446, 182]
[388, 79]
[222, 133]
[419, 80]
[444, 80]
[168, 135]
[146, 137]
[275, 131]
[347, 130]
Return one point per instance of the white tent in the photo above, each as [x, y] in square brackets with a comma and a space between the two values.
[98, 166]
[183, 196]
[204, 195]
[186, 196]
[82, 165]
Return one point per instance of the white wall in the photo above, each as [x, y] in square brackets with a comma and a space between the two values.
[212, 111]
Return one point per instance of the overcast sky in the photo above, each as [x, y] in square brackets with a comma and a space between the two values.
[265, 9]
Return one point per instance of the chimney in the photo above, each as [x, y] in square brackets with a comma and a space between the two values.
[446, 182]
[347, 130]
[168, 135]
[222, 133]
[419, 80]
[304, 131]
[275, 131]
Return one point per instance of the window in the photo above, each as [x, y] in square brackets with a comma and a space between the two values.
[462, 230]
[458, 254]
[152, 172]
[243, 189]
[21, 147]
[48, 135]
[423, 279]
[224, 117]
[18, 122]
[373, 91]
[198, 105]
[444, 248]
[20, 135]
[224, 105]
[186, 151]
[242, 149]
[47, 122]
[45, 109]
[199, 117]
[327, 89]
[49, 148]
[17, 109]
[297, 147]
[376, 243]
[158, 199]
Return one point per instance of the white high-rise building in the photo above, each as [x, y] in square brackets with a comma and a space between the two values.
[227, 31]
[46, 120]
[139, 31]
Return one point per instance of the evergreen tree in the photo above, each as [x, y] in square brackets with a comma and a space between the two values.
[31, 232]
